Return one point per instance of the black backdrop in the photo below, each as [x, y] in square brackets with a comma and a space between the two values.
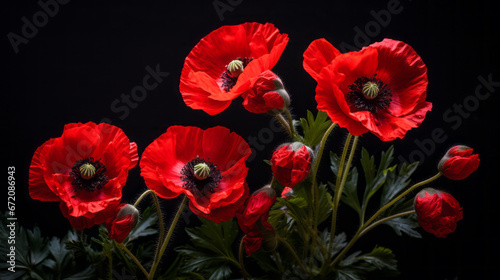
[80, 58]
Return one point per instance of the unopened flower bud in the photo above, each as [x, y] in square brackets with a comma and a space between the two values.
[291, 163]
[267, 95]
[458, 163]
[437, 212]
[125, 220]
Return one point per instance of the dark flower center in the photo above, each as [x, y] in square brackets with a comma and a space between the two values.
[233, 70]
[88, 174]
[369, 94]
[201, 177]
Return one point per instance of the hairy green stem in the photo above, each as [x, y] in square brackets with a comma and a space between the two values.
[314, 175]
[240, 257]
[339, 187]
[292, 250]
[285, 124]
[367, 225]
[134, 259]
[381, 221]
[167, 238]
[158, 212]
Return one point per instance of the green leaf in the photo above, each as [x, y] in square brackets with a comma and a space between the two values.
[146, 225]
[357, 266]
[350, 192]
[210, 250]
[397, 183]
[405, 225]
[375, 177]
[314, 128]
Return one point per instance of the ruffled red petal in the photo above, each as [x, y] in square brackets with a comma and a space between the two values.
[318, 55]
[38, 188]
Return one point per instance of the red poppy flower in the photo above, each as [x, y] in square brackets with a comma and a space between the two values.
[125, 220]
[85, 169]
[252, 219]
[458, 163]
[267, 95]
[226, 62]
[381, 88]
[437, 212]
[207, 165]
[291, 164]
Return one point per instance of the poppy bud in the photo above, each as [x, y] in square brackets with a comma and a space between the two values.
[252, 219]
[437, 212]
[291, 164]
[458, 163]
[124, 221]
[267, 95]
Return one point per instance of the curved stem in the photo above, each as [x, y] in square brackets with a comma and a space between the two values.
[134, 259]
[403, 194]
[340, 187]
[158, 212]
[315, 174]
[290, 248]
[240, 257]
[381, 221]
[278, 262]
[167, 238]
[110, 265]
[290, 122]
[285, 124]
[366, 226]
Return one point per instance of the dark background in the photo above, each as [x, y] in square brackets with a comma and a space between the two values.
[89, 53]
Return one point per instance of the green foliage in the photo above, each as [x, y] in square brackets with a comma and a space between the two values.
[40, 258]
[357, 266]
[210, 250]
[314, 128]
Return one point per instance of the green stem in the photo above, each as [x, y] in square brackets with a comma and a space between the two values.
[110, 265]
[285, 124]
[290, 123]
[381, 221]
[167, 238]
[363, 228]
[315, 174]
[278, 262]
[159, 213]
[339, 187]
[290, 248]
[134, 259]
[403, 194]
[240, 257]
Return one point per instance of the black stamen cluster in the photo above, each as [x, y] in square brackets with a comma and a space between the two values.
[89, 185]
[200, 187]
[358, 100]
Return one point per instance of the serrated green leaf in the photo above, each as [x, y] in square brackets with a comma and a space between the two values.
[210, 252]
[314, 128]
[405, 225]
[146, 225]
[375, 176]
[350, 192]
[397, 183]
